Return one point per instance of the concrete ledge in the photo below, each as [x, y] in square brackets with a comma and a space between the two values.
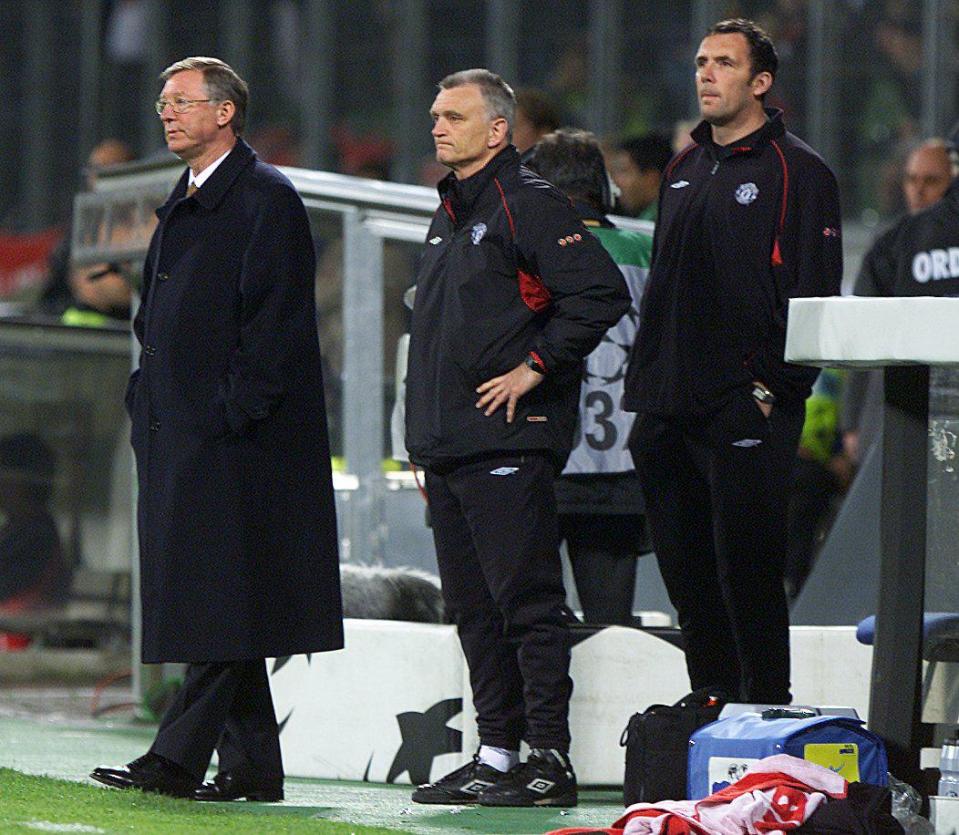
[62, 666]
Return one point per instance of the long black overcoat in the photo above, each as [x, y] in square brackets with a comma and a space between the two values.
[237, 526]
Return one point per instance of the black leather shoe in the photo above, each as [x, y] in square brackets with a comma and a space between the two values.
[231, 786]
[149, 773]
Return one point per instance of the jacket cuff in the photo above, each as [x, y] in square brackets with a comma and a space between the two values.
[535, 361]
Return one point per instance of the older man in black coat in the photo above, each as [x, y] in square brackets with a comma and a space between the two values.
[238, 544]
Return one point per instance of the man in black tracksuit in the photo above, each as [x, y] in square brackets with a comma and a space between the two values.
[748, 218]
[926, 178]
[512, 293]
[922, 254]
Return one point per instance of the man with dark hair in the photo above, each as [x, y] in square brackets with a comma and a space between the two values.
[235, 516]
[762, 52]
[512, 293]
[636, 166]
[598, 495]
[536, 116]
[748, 218]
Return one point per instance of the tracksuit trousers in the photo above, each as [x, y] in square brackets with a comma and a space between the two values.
[717, 490]
[494, 524]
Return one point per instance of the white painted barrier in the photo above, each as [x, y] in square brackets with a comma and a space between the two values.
[394, 706]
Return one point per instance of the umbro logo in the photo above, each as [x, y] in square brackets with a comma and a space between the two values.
[679, 184]
[504, 471]
[540, 785]
[747, 442]
[436, 240]
[475, 786]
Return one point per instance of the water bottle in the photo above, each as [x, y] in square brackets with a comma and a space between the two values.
[949, 769]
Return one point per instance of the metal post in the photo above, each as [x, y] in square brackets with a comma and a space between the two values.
[236, 34]
[410, 102]
[605, 48]
[89, 99]
[939, 66]
[822, 93]
[363, 405]
[157, 59]
[895, 696]
[38, 154]
[316, 97]
[502, 39]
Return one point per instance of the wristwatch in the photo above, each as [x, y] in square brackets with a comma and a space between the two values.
[763, 394]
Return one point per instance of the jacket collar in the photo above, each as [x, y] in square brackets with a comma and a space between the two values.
[772, 129]
[463, 193]
[214, 189]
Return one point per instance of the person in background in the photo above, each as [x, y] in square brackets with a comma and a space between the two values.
[33, 573]
[929, 170]
[512, 293]
[94, 294]
[598, 496]
[843, 414]
[536, 115]
[748, 218]
[636, 166]
[822, 472]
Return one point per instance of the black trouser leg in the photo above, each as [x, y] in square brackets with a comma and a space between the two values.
[603, 550]
[250, 743]
[497, 550]
[215, 697]
[749, 491]
[716, 493]
[679, 515]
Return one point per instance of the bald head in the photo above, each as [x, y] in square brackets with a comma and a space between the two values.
[927, 175]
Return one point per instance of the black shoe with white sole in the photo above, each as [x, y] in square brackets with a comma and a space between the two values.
[545, 779]
[461, 786]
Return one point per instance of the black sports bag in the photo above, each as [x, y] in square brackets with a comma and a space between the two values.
[657, 746]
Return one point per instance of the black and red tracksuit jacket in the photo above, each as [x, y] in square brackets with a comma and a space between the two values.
[509, 270]
[741, 230]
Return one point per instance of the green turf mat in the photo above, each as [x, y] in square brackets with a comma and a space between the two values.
[70, 750]
[43, 804]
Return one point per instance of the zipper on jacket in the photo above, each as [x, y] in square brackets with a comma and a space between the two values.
[715, 167]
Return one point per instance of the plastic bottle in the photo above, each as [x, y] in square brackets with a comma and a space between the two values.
[949, 769]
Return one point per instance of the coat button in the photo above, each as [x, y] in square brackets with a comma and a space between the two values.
[154, 426]
[149, 350]
[162, 276]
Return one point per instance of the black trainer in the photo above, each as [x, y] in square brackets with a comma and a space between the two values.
[545, 779]
[461, 786]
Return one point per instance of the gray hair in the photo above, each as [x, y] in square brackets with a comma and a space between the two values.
[221, 83]
[497, 94]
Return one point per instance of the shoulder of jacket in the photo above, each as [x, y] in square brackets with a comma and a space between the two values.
[530, 192]
[689, 155]
[888, 236]
[800, 156]
[270, 184]
[266, 175]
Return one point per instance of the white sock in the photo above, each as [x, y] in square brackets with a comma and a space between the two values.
[501, 759]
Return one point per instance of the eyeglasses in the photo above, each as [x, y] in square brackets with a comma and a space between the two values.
[178, 105]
